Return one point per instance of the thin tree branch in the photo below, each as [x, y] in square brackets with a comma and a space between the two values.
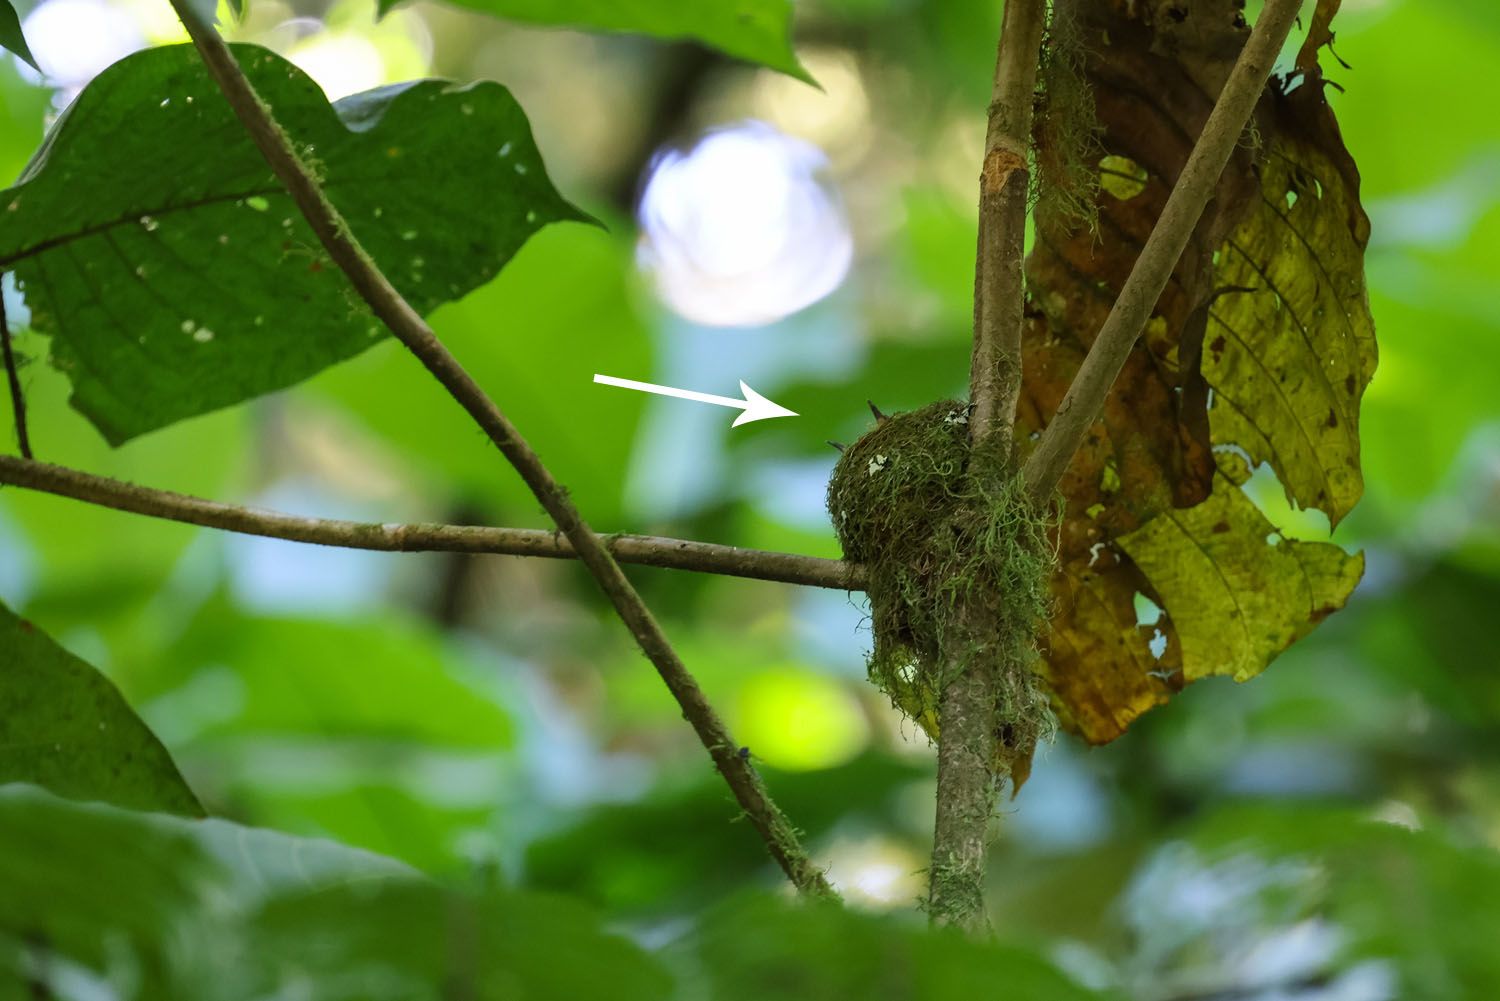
[966, 779]
[644, 550]
[995, 368]
[1084, 400]
[411, 330]
[17, 400]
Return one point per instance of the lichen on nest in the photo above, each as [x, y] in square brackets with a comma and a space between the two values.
[958, 562]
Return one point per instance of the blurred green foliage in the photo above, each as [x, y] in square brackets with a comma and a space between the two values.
[755, 30]
[65, 727]
[486, 722]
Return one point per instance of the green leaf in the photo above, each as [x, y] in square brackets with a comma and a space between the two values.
[757, 31]
[1237, 593]
[176, 277]
[766, 949]
[211, 910]
[437, 945]
[64, 726]
[11, 37]
[74, 874]
[379, 799]
[1290, 361]
[82, 880]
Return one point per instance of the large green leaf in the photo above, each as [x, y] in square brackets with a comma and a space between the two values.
[212, 910]
[756, 31]
[73, 877]
[10, 34]
[427, 944]
[64, 726]
[175, 276]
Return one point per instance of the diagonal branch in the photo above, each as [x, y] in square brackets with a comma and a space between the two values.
[644, 550]
[17, 400]
[412, 331]
[1084, 400]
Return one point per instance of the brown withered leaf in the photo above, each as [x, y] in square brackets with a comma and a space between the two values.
[1259, 351]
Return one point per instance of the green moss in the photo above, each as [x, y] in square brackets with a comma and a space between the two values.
[1066, 130]
[943, 528]
[955, 895]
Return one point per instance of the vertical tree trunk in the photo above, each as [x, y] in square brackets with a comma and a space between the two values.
[966, 798]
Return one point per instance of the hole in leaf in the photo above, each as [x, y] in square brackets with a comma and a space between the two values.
[1147, 612]
[1122, 177]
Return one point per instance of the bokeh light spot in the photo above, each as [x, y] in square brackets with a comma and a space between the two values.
[744, 228]
[74, 40]
[342, 64]
[798, 721]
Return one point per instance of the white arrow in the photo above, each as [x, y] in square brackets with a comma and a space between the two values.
[755, 406]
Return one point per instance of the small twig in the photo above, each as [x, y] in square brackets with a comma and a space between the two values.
[17, 400]
[411, 330]
[999, 289]
[643, 550]
[1084, 400]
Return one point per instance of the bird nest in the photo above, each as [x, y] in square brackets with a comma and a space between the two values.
[958, 561]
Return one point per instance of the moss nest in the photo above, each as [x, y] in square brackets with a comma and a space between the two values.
[958, 563]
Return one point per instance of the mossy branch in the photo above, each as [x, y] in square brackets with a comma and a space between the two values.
[973, 664]
[412, 331]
